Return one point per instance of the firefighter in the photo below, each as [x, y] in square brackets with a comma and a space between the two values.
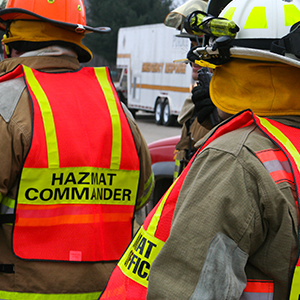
[234, 232]
[228, 227]
[198, 114]
[74, 165]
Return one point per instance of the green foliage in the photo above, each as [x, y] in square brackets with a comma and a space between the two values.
[120, 13]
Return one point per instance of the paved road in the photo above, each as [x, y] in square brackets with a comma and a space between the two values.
[153, 132]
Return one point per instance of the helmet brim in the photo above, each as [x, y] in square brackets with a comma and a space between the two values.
[263, 55]
[22, 14]
[251, 54]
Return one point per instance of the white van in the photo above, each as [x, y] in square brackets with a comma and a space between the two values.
[150, 80]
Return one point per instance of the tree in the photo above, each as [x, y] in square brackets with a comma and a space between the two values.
[120, 13]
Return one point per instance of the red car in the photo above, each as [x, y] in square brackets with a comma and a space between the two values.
[163, 162]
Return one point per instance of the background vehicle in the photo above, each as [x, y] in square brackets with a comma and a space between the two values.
[163, 162]
[150, 80]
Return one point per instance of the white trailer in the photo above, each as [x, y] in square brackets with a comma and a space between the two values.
[150, 80]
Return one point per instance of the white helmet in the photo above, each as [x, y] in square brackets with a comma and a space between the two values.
[269, 31]
[262, 19]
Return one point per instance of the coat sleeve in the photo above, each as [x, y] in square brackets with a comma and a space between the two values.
[215, 217]
[15, 132]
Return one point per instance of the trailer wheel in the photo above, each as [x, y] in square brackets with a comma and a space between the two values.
[159, 112]
[167, 118]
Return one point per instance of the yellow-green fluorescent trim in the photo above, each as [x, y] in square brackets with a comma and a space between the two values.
[283, 139]
[50, 131]
[7, 201]
[148, 187]
[291, 14]
[257, 18]
[35, 296]
[116, 123]
[229, 13]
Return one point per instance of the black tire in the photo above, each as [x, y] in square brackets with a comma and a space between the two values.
[167, 118]
[158, 112]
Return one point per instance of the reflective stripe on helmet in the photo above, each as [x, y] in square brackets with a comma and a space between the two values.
[262, 18]
[257, 18]
[292, 14]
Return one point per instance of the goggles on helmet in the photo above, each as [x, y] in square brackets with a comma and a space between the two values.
[259, 37]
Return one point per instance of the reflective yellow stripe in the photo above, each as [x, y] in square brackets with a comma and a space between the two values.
[257, 18]
[295, 288]
[291, 14]
[229, 13]
[147, 191]
[136, 262]
[116, 123]
[51, 140]
[8, 202]
[35, 296]
[283, 139]
[156, 217]
[176, 174]
[177, 168]
[149, 182]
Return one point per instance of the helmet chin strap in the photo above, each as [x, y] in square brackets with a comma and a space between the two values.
[6, 48]
[290, 43]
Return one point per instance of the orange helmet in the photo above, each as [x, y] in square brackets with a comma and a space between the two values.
[66, 13]
[57, 22]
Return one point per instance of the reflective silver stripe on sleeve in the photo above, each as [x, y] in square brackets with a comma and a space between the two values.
[10, 93]
[275, 165]
[7, 205]
[223, 273]
[256, 296]
[6, 210]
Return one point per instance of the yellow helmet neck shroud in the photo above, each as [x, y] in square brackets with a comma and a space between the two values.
[267, 88]
[39, 32]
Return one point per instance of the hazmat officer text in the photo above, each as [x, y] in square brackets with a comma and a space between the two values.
[138, 258]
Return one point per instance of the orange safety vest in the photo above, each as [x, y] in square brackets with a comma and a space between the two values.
[79, 182]
[129, 279]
